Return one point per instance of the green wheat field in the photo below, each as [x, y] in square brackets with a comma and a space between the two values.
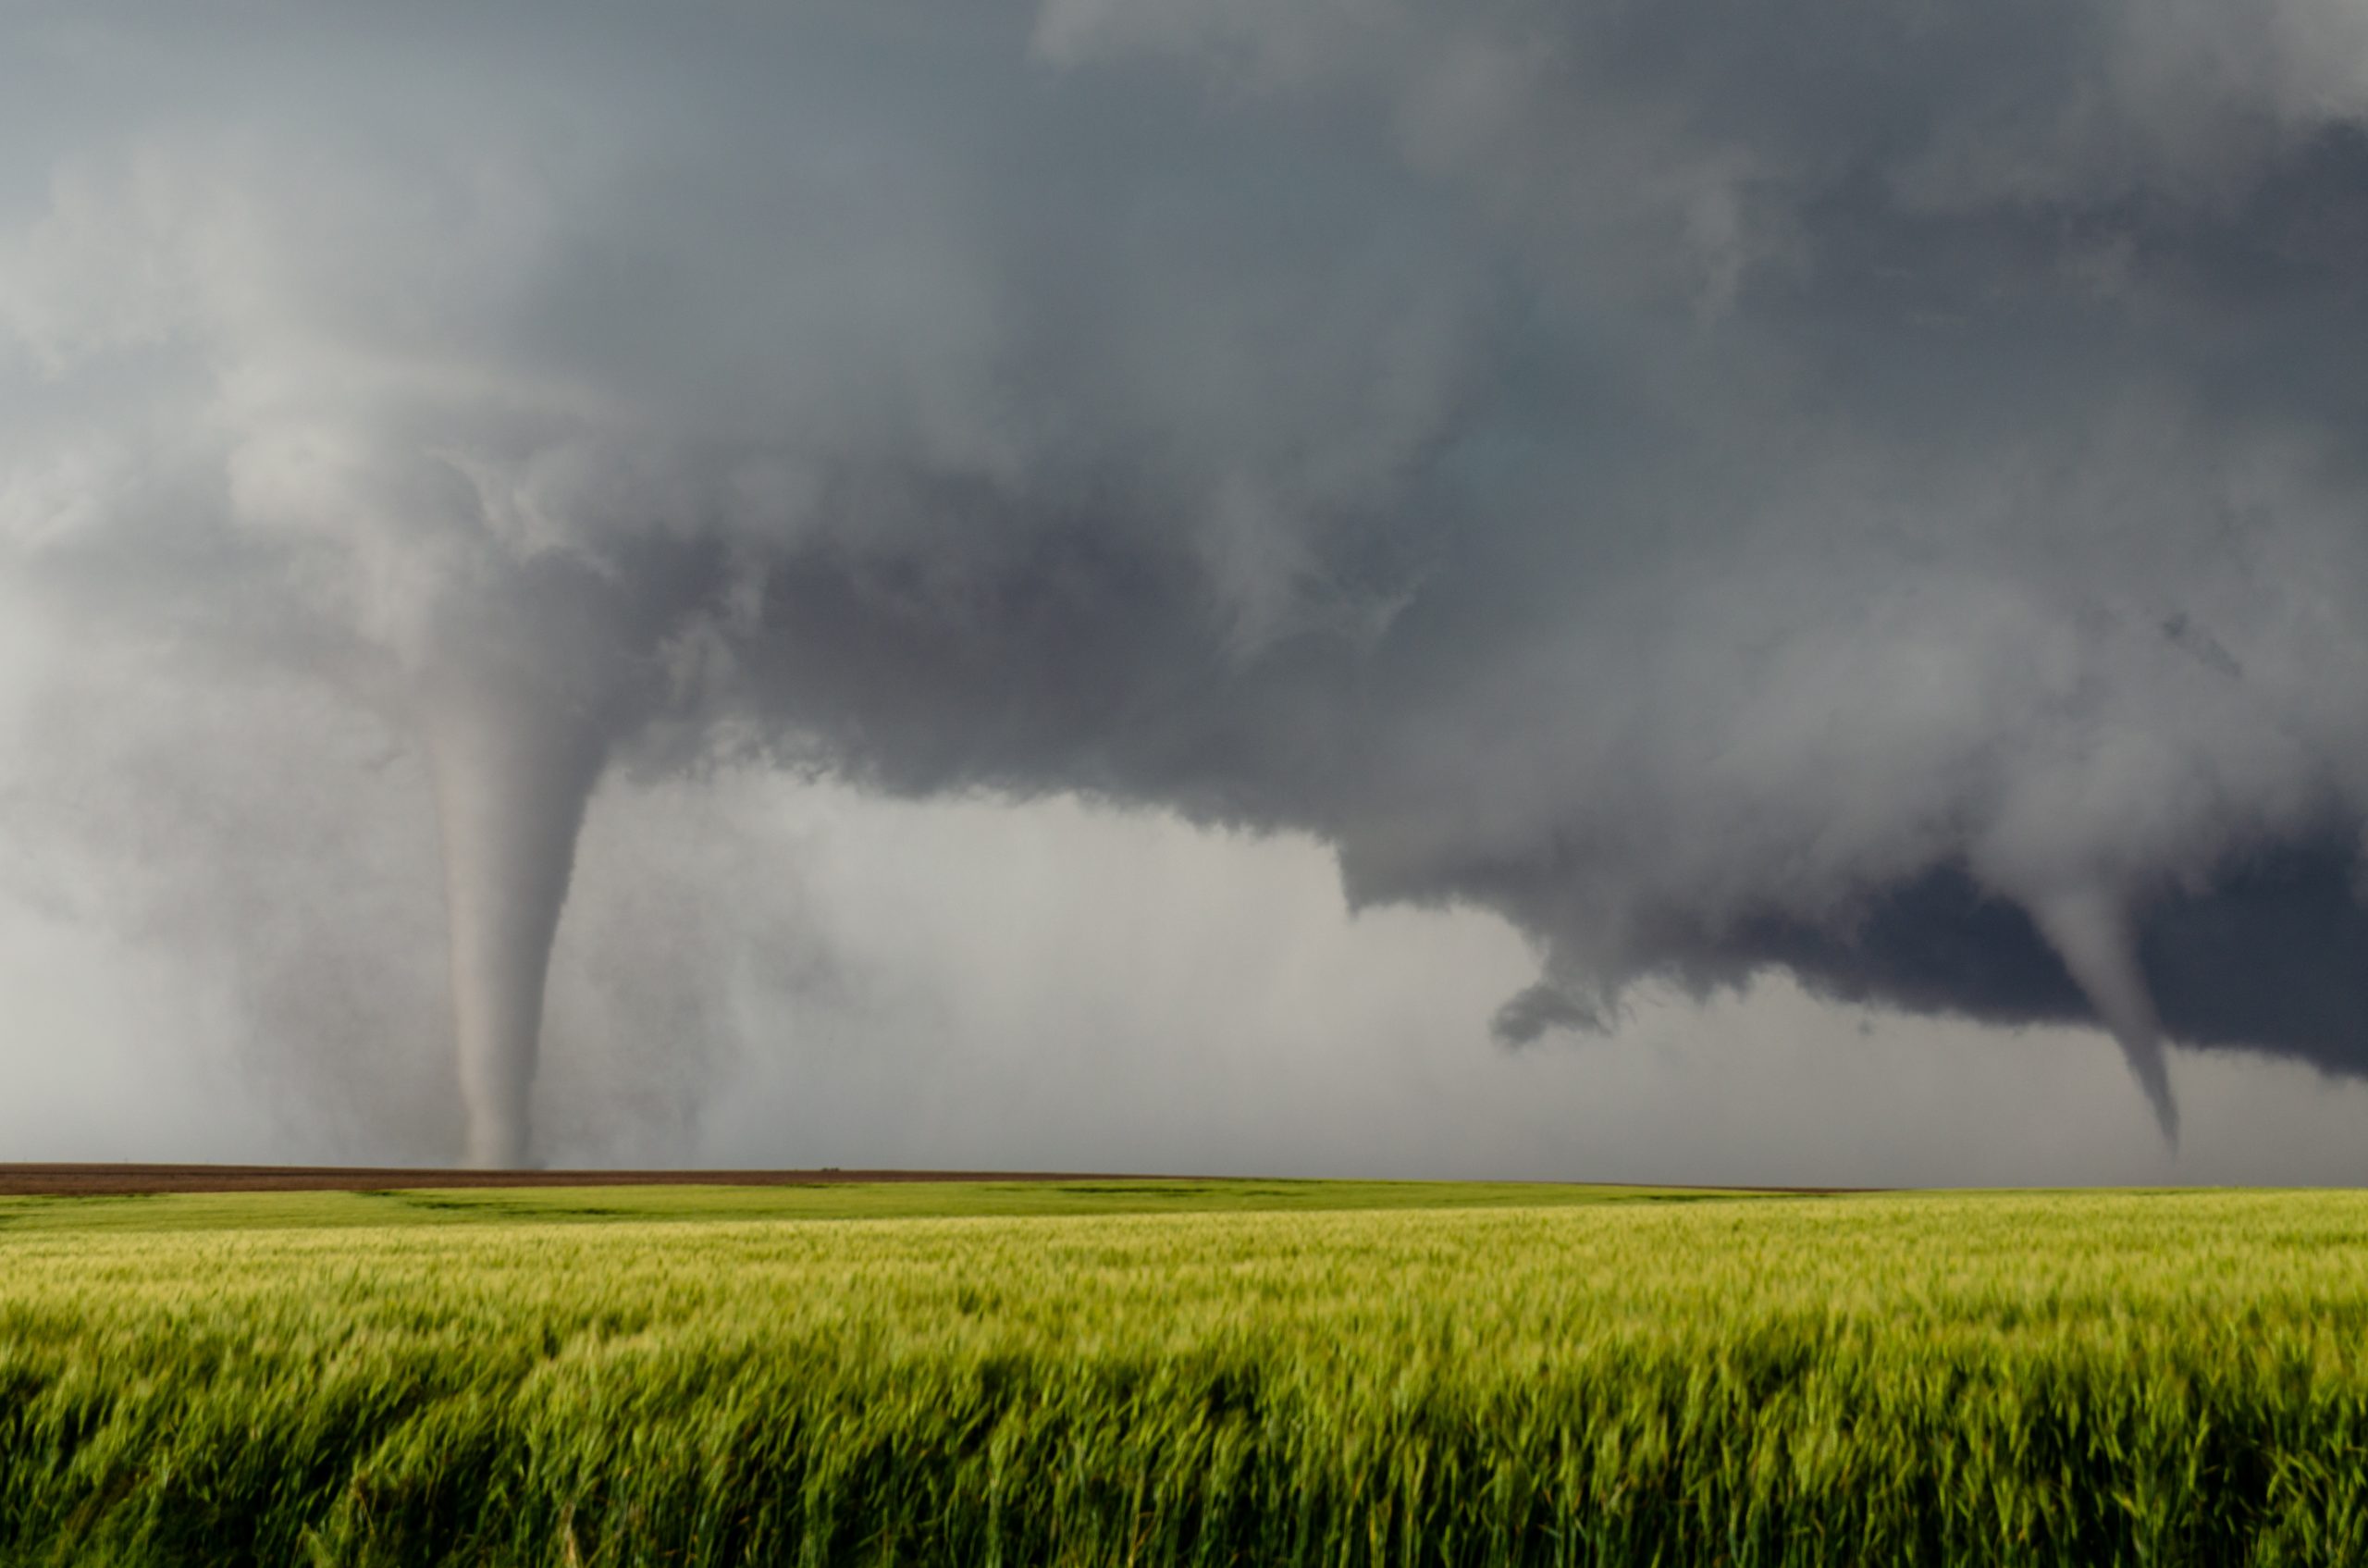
[1147, 1373]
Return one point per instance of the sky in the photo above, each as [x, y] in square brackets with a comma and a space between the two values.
[1546, 590]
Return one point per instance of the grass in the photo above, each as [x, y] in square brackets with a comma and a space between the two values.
[275, 1211]
[705, 1377]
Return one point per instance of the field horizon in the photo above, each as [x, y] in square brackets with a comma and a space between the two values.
[67, 1178]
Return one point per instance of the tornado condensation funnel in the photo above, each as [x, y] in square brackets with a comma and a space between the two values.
[514, 765]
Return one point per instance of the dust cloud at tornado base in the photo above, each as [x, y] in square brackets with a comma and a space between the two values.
[1865, 498]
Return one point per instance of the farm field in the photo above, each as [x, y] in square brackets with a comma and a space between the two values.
[1113, 1372]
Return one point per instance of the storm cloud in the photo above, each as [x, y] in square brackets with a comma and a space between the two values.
[1869, 492]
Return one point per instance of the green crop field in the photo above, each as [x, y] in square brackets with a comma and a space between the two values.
[1204, 1373]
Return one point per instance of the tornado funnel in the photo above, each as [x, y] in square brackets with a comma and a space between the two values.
[2090, 933]
[513, 764]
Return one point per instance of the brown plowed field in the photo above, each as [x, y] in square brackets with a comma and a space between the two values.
[69, 1181]
[66, 1180]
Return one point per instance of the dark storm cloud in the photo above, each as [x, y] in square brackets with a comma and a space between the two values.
[1868, 490]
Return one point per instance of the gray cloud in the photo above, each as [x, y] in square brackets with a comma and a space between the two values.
[1866, 492]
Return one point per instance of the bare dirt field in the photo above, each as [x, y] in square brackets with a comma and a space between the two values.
[99, 1181]
[66, 1180]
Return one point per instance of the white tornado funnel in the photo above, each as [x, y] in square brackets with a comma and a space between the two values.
[2090, 933]
[514, 763]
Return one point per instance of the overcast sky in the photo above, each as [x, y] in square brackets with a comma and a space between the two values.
[1684, 593]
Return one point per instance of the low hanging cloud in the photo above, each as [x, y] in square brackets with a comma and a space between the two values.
[1868, 492]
